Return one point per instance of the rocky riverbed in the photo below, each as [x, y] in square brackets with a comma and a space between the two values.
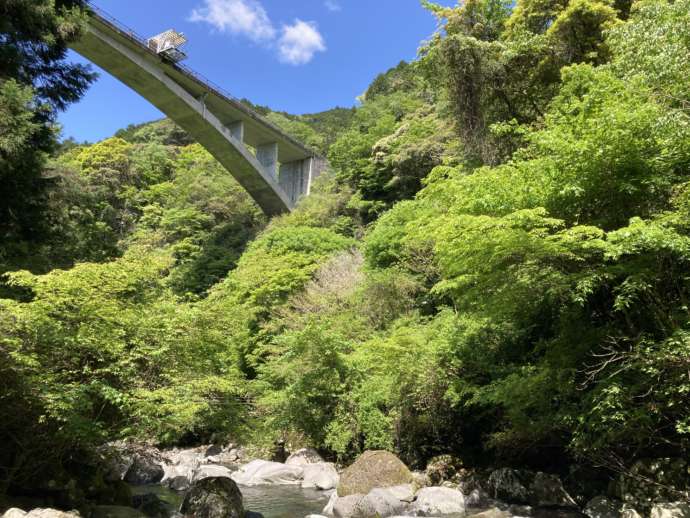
[223, 482]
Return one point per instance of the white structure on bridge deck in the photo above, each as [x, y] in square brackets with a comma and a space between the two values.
[276, 176]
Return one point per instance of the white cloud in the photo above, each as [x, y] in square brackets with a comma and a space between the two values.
[299, 42]
[296, 44]
[245, 17]
[332, 5]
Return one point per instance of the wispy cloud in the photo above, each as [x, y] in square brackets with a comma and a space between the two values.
[332, 5]
[299, 42]
[243, 17]
[296, 44]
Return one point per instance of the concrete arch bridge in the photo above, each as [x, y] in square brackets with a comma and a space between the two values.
[279, 172]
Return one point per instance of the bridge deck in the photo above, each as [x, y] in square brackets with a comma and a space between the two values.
[199, 107]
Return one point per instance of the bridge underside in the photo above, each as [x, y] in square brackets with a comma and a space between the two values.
[276, 176]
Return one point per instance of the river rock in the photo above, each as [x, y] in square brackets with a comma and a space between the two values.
[432, 501]
[212, 450]
[603, 507]
[261, 472]
[627, 511]
[373, 469]
[320, 476]
[442, 468]
[303, 457]
[379, 502]
[671, 510]
[494, 512]
[39, 513]
[213, 498]
[344, 507]
[145, 469]
[209, 471]
[526, 487]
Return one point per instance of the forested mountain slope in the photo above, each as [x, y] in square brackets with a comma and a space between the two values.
[496, 266]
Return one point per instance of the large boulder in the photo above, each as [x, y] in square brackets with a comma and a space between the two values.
[262, 472]
[303, 457]
[671, 510]
[213, 498]
[145, 469]
[381, 502]
[432, 501]
[320, 476]
[526, 487]
[373, 469]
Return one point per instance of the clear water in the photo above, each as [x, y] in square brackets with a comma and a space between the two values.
[270, 501]
[283, 501]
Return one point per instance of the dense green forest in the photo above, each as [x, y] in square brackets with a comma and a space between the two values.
[496, 265]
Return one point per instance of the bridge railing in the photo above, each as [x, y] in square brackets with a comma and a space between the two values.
[204, 81]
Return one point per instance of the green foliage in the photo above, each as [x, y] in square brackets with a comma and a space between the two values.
[35, 82]
[517, 295]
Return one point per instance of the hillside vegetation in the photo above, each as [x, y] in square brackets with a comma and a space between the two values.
[495, 267]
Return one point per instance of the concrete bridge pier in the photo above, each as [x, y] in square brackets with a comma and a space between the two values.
[296, 177]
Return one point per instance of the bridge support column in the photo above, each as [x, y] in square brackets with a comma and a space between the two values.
[267, 155]
[296, 177]
[237, 130]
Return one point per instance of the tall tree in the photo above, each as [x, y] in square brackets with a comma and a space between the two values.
[35, 83]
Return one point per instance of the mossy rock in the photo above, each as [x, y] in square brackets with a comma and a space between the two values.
[371, 470]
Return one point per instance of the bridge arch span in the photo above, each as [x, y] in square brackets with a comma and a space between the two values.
[276, 175]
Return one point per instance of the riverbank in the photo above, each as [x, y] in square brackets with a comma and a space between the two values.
[147, 482]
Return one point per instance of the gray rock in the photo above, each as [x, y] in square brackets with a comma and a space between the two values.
[442, 468]
[145, 469]
[494, 512]
[328, 509]
[212, 450]
[432, 501]
[213, 498]
[628, 512]
[547, 491]
[39, 513]
[378, 502]
[476, 498]
[262, 472]
[303, 457]
[671, 510]
[420, 479]
[115, 511]
[209, 471]
[320, 476]
[373, 469]
[345, 506]
[526, 487]
[602, 507]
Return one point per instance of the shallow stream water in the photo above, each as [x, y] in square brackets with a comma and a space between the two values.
[270, 501]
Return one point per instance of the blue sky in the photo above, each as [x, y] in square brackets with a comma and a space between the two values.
[301, 56]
